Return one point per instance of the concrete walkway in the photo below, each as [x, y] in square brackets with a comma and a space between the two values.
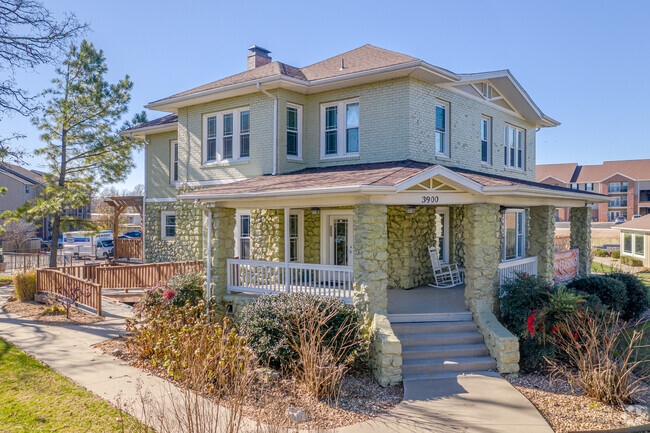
[471, 403]
[616, 264]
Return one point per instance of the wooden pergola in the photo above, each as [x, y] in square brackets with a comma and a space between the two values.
[126, 248]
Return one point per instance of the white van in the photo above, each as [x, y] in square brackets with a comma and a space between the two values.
[88, 244]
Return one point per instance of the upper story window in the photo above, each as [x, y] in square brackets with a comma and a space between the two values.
[617, 187]
[442, 128]
[226, 135]
[340, 129]
[575, 186]
[514, 142]
[173, 161]
[27, 190]
[294, 131]
[589, 186]
[486, 90]
[514, 234]
[486, 139]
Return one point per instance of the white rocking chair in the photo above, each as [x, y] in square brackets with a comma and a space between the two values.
[445, 275]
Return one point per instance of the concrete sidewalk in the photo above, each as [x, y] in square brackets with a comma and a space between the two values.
[471, 403]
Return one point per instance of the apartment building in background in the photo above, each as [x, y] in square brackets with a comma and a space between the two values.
[627, 182]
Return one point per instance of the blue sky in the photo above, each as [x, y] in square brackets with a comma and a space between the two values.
[584, 63]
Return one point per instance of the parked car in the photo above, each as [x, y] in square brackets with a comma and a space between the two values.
[131, 235]
[636, 216]
[619, 220]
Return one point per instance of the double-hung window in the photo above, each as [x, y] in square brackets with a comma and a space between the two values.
[168, 225]
[486, 140]
[340, 129]
[294, 131]
[589, 186]
[514, 143]
[226, 135]
[442, 128]
[296, 246]
[514, 234]
[614, 187]
[173, 159]
[244, 237]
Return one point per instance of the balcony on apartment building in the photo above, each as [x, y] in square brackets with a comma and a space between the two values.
[617, 188]
[644, 198]
[618, 202]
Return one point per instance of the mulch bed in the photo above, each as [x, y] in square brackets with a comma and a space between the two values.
[36, 311]
[361, 397]
[566, 408]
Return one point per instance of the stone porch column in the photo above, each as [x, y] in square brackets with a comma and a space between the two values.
[541, 239]
[482, 231]
[370, 258]
[222, 248]
[581, 238]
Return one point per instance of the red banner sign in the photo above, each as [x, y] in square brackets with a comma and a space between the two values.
[566, 266]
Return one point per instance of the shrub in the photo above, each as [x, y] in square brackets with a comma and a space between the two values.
[263, 325]
[180, 290]
[601, 253]
[25, 285]
[631, 261]
[616, 254]
[610, 291]
[519, 297]
[637, 295]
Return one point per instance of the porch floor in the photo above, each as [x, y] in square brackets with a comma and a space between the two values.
[425, 299]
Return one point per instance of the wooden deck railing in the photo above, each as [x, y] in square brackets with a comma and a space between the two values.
[138, 276]
[52, 282]
[128, 248]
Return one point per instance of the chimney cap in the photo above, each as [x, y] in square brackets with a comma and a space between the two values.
[256, 49]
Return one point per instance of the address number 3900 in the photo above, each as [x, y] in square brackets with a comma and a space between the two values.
[430, 199]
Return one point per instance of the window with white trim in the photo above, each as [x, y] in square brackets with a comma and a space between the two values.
[294, 131]
[173, 159]
[634, 244]
[168, 224]
[442, 233]
[226, 136]
[244, 236]
[486, 140]
[340, 129]
[589, 186]
[514, 143]
[442, 128]
[514, 234]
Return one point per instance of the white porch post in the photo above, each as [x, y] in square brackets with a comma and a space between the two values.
[287, 253]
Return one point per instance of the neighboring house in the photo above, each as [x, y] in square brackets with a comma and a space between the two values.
[24, 184]
[335, 178]
[635, 239]
[627, 182]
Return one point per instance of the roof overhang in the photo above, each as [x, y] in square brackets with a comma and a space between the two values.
[150, 130]
[510, 88]
[466, 191]
[418, 69]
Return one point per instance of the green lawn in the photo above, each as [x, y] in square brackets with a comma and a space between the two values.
[600, 268]
[34, 398]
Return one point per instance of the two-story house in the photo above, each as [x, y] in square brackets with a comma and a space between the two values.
[335, 179]
[627, 182]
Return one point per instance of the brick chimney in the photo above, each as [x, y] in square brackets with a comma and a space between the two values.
[257, 57]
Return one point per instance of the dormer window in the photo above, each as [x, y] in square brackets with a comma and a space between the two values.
[486, 90]
[226, 136]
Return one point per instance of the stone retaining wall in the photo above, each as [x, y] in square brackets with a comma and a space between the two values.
[502, 344]
[385, 352]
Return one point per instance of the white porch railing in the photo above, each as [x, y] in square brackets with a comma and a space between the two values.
[254, 276]
[509, 270]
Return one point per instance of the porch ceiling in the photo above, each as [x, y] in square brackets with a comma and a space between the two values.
[393, 183]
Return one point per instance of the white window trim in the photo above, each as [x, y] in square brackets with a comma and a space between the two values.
[633, 253]
[489, 140]
[172, 171]
[299, 120]
[446, 141]
[236, 125]
[340, 129]
[301, 234]
[445, 229]
[507, 146]
[522, 254]
[325, 250]
[238, 215]
[163, 224]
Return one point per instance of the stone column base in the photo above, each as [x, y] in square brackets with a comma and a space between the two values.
[385, 352]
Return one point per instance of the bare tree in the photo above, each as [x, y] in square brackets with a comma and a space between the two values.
[16, 233]
[29, 36]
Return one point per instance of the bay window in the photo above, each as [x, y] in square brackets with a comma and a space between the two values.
[514, 143]
[294, 131]
[340, 129]
[442, 128]
[514, 234]
[226, 136]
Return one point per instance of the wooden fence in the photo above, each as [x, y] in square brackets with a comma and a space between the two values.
[52, 282]
[128, 248]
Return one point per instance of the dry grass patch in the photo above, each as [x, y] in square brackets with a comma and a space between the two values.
[48, 314]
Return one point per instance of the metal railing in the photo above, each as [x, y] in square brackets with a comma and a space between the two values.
[25, 261]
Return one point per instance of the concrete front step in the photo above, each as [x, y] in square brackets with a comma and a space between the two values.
[447, 365]
[450, 375]
[454, 316]
[440, 338]
[409, 328]
[447, 351]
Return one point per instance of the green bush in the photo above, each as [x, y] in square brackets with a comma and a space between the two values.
[263, 324]
[601, 253]
[637, 295]
[519, 297]
[180, 290]
[25, 285]
[611, 291]
[631, 261]
[616, 254]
